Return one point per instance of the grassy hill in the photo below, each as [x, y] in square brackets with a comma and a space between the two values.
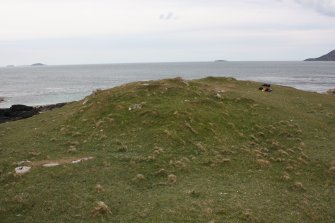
[208, 150]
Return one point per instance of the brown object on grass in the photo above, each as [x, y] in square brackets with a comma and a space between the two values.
[100, 209]
[172, 178]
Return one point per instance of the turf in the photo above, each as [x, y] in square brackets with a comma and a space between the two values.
[207, 150]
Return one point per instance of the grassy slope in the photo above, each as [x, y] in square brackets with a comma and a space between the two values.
[242, 155]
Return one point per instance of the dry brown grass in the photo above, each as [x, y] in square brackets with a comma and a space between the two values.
[332, 168]
[139, 177]
[161, 172]
[201, 147]
[99, 188]
[172, 179]
[262, 163]
[188, 125]
[100, 209]
[248, 215]
[289, 168]
[193, 193]
[298, 186]
[285, 177]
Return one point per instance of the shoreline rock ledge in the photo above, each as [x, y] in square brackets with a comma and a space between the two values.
[17, 112]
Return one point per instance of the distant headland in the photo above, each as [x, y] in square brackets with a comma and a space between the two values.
[328, 57]
[38, 64]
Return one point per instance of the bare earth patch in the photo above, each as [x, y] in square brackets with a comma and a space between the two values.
[25, 166]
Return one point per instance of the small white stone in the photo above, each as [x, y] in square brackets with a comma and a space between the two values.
[82, 159]
[50, 164]
[76, 161]
[22, 169]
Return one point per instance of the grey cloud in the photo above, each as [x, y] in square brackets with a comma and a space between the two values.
[325, 7]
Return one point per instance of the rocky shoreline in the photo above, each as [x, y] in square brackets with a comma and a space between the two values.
[17, 112]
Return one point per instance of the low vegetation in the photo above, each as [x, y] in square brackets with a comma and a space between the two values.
[208, 150]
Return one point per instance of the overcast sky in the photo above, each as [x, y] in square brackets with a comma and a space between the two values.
[116, 31]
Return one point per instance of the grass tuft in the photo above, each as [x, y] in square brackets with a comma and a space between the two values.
[99, 188]
[172, 179]
[139, 177]
[100, 209]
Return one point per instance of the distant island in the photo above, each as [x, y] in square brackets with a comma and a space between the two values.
[328, 57]
[38, 64]
[220, 61]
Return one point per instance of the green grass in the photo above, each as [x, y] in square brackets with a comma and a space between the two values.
[229, 153]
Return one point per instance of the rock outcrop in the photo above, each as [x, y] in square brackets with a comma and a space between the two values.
[16, 112]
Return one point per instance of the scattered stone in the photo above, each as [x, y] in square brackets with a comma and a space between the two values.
[82, 159]
[135, 107]
[22, 169]
[50, 164]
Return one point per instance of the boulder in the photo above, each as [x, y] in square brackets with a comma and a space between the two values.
[20, 111]
[16, 112]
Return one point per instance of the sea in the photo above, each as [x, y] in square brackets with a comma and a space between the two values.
[42, 85]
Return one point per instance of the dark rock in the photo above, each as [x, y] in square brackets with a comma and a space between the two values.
[328, 57]
[16, 112]
[19, 112]
[20, 108]
[49, 107]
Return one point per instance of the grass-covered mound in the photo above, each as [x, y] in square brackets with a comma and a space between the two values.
[209, 150]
